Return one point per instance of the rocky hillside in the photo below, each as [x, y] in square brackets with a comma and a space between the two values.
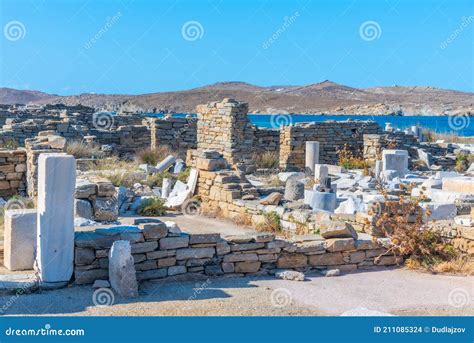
[324, 97]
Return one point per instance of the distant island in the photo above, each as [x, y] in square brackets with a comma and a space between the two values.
[320, 98]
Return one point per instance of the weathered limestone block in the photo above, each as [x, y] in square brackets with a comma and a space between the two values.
[463, 184]
[337, 229]
[204, 238]
[122, 274]
[153, 231]
[328, 259]
[55, 240]
[340, 244]
[83, 256]
[84, 189]
[292, 261]
[294, 189]
[320, 200]
[19, 239]
[247, 267]
[105, 209]
[184, 254]
[169, 243]
[83, 209]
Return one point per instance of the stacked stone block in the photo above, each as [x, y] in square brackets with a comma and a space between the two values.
[12, 172]
[224, 127]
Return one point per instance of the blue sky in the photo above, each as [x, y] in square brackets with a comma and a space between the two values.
[126, 46]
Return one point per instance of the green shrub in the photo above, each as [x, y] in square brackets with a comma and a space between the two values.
[152, 207]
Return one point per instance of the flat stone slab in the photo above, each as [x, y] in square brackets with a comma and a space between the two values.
[18, 283]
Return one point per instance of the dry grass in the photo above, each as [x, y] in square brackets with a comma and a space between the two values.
[266, 160]
[80, 149]
[349, 160]
[152, 157]
[271, 223]
[456, 266]
[433, 136]
[242, 220]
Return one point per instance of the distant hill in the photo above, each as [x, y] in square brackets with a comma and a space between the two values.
[15, 96]
[324, 97]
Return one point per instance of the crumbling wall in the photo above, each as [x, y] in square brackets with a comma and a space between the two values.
[266, 140]
[177, 133]
[12, 172]
[330, 135]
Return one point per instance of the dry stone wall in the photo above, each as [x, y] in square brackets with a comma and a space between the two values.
[160, 251]
[12, 172]
[330, 135]
[177, 133]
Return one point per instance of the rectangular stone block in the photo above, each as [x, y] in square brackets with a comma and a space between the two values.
[19, 239]
[184, 254]
[247, 267]
[292, 261]
[174, 242]
[55, 235]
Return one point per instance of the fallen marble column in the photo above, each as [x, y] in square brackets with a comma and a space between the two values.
[55, 237]
[19, 239]
[166, 188]
[312, 155]
[122, 274]
[320, 200]
[165, 164]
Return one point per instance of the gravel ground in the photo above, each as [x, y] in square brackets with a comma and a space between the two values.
[400, 292]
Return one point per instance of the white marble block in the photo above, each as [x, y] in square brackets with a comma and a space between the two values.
[320, 200]
[166, 188]
[395, 160]
[19, 239]
[312, 154]
[55, 239]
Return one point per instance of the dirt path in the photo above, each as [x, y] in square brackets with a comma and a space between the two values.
[395, 291]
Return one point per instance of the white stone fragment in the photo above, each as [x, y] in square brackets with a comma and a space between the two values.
[122, 274]
[19, 245]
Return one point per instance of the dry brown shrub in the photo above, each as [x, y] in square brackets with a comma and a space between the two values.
[266, 160]
[402, 221]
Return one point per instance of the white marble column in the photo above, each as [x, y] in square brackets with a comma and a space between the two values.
[312, 155]
[55, 240]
